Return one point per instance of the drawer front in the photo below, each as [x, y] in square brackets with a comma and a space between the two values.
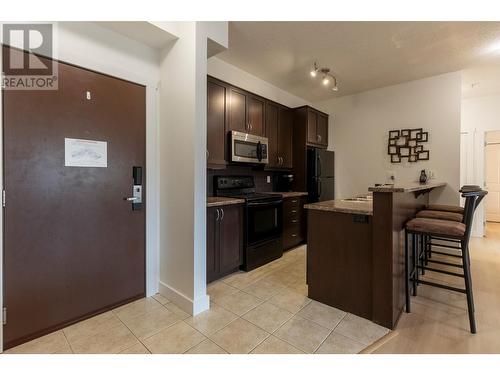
[292, 236]
[293, 204]
[293, 211]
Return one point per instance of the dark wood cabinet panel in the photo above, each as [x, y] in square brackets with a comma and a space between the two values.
[322, 130]
[216, 123]
[212, 241]
[224, 240]
[256, 112]
[272, 111]
[285, 137]
[231, 238]
[237, 110]
[339, 261]
[312, 121]
[310, 129]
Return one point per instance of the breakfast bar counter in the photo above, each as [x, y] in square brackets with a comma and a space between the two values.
[355, 253]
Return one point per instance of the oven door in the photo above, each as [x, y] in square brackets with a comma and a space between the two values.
[264, 221]
[248, 148]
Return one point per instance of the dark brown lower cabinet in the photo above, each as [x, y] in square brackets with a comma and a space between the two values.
[224, 240]
[294, 222]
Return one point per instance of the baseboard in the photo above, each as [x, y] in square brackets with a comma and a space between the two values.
[185, 303]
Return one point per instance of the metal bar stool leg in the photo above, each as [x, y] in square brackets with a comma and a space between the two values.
[407, 273]
[468, 286]
[421, 253]
[414, 272]
[426, 250]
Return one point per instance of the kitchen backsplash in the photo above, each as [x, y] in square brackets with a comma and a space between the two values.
[260, 177]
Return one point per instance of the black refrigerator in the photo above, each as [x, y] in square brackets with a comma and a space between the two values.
[320, 175]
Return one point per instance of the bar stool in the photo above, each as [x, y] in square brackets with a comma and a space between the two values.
[449, 230]
[449, 208]
[445, 212]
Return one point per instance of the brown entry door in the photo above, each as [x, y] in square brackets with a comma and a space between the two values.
[73, 245]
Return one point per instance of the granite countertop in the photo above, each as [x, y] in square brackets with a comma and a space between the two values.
[289, 194]
[345, 206]
[223, 201]
[406, 188]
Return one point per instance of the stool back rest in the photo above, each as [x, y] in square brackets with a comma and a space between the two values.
[472, 199]
[470, 189]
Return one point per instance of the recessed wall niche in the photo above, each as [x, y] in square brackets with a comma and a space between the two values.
[407, 144]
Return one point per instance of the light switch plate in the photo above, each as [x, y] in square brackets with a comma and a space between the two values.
[268, 179]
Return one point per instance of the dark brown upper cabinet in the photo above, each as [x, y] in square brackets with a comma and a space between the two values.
[322, 130]
[272, 113]
[237, 110]
[216, 123]
[246, 112]
[256, 111]
[279, 122]
[317, 127]
[285, 136]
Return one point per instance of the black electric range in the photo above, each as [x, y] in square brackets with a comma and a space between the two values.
[263, 219]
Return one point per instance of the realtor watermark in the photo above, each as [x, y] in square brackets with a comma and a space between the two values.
[28, 56]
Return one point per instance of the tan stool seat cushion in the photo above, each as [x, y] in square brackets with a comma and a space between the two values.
[441, 215]
[435, 226]
[444, 207]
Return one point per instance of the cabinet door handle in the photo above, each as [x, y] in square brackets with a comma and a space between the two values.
[218, 214]
[294, 211]
[294, 201]
[208, 154]
[295, 221]
[319, 137]
[222, 218]
[294, 235]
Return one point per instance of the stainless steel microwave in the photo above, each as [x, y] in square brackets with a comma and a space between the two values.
[249, 148]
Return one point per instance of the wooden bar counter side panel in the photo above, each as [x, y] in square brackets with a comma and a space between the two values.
[339, 260]
[390, 213]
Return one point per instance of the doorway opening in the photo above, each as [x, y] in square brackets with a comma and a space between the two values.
[492, 175]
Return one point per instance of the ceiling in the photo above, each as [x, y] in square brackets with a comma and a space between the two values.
[363, 55]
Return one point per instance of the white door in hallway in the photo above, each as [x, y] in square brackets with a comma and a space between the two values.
[492, 175]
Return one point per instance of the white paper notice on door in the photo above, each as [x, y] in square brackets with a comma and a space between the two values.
[85, 153]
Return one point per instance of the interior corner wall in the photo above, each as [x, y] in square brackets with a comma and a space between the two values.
[359, 126]
[479, 115]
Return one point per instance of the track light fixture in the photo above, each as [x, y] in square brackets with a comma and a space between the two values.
[327, 77]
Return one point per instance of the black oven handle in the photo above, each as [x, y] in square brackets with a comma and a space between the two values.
[260, 204]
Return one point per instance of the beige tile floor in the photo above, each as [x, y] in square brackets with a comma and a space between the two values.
[262, 311]
[439, 322]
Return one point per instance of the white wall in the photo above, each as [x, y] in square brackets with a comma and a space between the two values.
[90, 46]
[240, 78]
[183, 164]
[479, 115]
[359, 126]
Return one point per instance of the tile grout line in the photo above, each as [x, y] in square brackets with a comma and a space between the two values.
[331, 332]
[137, 338]
[67, 340]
